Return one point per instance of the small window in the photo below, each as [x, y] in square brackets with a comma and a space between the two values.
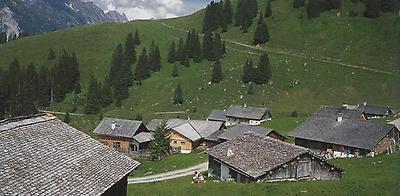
[182, 142]
[175, 142]
[117, 145]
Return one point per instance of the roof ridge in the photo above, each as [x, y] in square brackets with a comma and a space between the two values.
[21, 119]
[194, 128]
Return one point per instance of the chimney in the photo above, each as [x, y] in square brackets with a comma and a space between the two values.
[230, 152]
[113, 125]
[340, 117]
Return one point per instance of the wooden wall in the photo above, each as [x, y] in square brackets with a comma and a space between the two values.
[179, 141]
[124, 142]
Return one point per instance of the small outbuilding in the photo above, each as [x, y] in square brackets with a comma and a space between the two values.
[217, 115]
[246, 115]
[375, 111]
[254, 158]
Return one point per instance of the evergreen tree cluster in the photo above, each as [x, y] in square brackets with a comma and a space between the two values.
[160, 146]
[99, 95]
[246, 11]
[260, 74]
[261, 36]
[23, 89]
[372, 8]
[148, 62]
[315, 7]
[213, 46]
[217, 15]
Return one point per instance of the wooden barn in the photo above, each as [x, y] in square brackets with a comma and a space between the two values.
[345, 135]
[186, 135]
[41, 155]
[246, 115]
[124, 135]
[254, 158]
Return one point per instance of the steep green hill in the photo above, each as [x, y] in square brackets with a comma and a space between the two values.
[327, 55]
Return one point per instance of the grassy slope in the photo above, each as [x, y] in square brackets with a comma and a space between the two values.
[320, 83]
[174, 162]
[366, 176]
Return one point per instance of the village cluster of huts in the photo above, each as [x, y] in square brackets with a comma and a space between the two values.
[41, 155]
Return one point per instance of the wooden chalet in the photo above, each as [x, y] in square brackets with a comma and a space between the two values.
[246, 115]
[41, 155]
[253, 158]
[186, 135]
[343, 134]
[124, 135]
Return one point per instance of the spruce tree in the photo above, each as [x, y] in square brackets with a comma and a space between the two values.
[388, 5]
[151, 56]
[130, 51]
[181, 51]
[245, 13]
[28, 95]
[92, 102]
[160, 146]
[217, 49]
[263, 70]
[44, 87]
[117, 61]
[175, 71]
[136, 39]
[298, 3]
[313, 8]
[14, 88]
[268, 11]
[178, 97]
[157, 59]
[372, 8]
[197, 50]
[3, 37]
[172, 53]
[228, 13]
[216, 76]
[208, 46]
[261, 36]
[51, 55]
[248, 72]
[67, 118]
[106, 93]
[141, 71]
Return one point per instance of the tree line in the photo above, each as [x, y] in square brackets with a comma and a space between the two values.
[24, 88]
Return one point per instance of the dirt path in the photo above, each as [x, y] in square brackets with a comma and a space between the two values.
[298, 55]
[169, 175]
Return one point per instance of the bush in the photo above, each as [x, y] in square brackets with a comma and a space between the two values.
[294, 114]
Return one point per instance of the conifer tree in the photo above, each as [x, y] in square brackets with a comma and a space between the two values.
[248, 72]
[28, 95]
[388, 5]
[217, 48]
[228, 13]
[372, 8]
[51, 55]
[136, 39]
[298, 3]
[92, 102]
[141, 71]
[67, 118]
[263, 70]
[172, 53]
[216, 76]
[208, 46]
[130, 51]
[197, 50]
[151, 56]
[175, 71]
[3, 37]
[44, 87]
[245, 13]
[181, 51]
[106, 93]
[178, 97]
[156, 60]
[116, 64]
[160, 146]
[261, 36]
[268, 11]
[14, 88]
[313, 8]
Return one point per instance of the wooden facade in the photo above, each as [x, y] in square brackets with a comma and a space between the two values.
[305, 167]
[178, 141]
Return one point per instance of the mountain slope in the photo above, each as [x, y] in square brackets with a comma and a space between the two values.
[321, 83]
[38, 16]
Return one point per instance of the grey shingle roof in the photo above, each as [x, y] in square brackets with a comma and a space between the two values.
[348, 132]
[217, 115]
[375, 110]
[215, 136]
[194, 129]
[124, 128]
[44, 156]
[143, 137]
[254, 154]
[154, 123]
[253, 113]
[334, 112]
[238, 130]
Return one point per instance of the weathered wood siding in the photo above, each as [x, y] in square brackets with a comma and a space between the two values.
[109, 141]
[388, 144]
[180, 141]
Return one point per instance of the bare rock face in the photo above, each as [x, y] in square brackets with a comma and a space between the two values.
[39, 16]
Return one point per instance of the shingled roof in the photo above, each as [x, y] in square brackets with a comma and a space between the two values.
[43, 156]
[253, 113]
[238, 130]
[255, 155]
[348, 132]
[375, 110]
[217, 115]
[123, 128]
[194, 129]
[153, 124]
[334, 112]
